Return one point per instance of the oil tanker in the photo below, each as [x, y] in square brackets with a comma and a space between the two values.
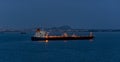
[42, 35]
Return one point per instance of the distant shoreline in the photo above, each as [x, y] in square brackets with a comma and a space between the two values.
[69, 30]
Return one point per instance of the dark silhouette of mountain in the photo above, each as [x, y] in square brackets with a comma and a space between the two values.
[65, 27]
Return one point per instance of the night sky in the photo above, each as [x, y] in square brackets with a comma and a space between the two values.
[91, 14]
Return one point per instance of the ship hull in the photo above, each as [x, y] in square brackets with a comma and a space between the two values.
[62, 38]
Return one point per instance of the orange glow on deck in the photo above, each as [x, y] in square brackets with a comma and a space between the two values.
[46, 41]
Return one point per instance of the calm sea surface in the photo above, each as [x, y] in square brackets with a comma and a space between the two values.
[16, 47]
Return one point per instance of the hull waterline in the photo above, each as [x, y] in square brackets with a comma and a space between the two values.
[62, 38]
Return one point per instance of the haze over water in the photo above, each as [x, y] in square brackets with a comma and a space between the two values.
[16, 47]
[79, 14]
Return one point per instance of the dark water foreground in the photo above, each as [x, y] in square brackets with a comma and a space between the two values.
[16, 47]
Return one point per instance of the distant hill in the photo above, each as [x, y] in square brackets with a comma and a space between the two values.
[61, 28]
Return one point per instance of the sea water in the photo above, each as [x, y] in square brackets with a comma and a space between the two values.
[16, 47]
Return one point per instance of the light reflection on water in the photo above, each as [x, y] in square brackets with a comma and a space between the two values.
[46, 41]
[105, 47]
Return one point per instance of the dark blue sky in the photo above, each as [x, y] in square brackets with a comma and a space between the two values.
[48, 13]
